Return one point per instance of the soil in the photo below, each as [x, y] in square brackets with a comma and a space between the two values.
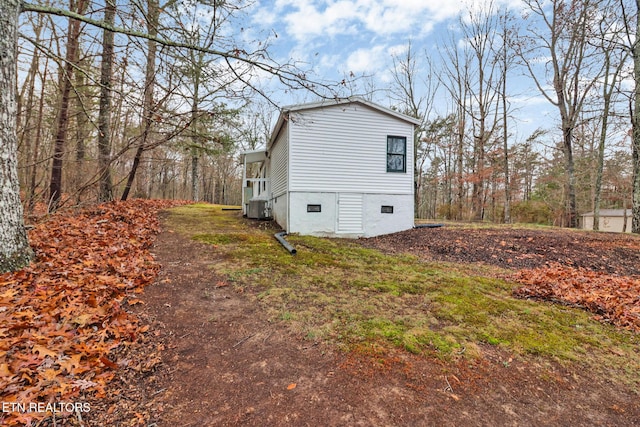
[518, 248]
[221, 362]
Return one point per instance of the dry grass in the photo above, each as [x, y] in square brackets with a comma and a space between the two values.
[336, 290]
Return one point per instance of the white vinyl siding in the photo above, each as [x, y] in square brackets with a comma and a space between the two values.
[350, 213]
[343, 148]
[280, 163]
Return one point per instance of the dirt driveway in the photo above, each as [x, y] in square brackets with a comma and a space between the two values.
[224, 364]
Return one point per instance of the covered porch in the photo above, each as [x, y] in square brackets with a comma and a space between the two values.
[256, 185]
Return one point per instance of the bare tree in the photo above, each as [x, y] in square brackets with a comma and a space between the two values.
[635, 222]
[472, 77]
[506, 60]
[632, 29]
[453, 78]
[148, 105]
[615, 60]
[205, 83]
[559, 36]
[479, 31]
[414, 97]
[62, 120]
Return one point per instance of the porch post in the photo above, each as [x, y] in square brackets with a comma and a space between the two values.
[244, 182]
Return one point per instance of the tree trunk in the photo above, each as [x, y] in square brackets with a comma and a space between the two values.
[104, 115]
[196, 142]
[607, 92]
[635, 220]
[505, 123]
[571, 175]
[31, 190]
[14, 245]
[478, 181]
[26, 124]
[62, 120]
[132, 172]
[195, 157]
[460, 165]
[148, 107]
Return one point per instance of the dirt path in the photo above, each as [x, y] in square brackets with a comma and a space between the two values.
[225, 364]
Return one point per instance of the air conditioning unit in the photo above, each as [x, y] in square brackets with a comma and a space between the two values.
[257, 209]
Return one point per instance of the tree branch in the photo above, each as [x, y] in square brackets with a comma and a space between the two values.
[290, 77]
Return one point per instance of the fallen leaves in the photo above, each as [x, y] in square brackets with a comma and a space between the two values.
[611, 297]
[63, 318]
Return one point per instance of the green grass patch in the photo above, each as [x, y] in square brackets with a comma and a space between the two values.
[335, 289]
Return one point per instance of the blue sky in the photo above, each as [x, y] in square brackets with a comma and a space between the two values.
[339, 37]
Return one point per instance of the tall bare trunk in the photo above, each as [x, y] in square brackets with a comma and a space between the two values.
[31, 191]
[26, 107]
[104, 115]
[505, 122]
[195, 139]
[14, 246]
[635, 220]
[62, 120]
[148, 106]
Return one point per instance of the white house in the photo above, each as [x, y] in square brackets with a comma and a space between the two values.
[335, 168]
[614, 220]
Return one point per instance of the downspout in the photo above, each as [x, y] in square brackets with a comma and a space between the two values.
[280, 237]
[428, 225]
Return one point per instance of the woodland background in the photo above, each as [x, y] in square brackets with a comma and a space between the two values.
[108, 115]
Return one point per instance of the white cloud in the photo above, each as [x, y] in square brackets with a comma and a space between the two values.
[367, 60]
[330, 61]
[336, 37]
[398, 50]
[306, 20]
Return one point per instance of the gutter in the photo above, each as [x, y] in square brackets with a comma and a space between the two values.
[280, 237]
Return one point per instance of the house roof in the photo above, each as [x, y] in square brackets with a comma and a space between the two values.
[610, 212]
[332, 103]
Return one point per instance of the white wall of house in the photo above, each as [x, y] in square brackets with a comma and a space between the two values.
[280, 210]
[402, 218]
[337, 159]
[321, 223]
[343, 148]
[366, 218]
[278, 167]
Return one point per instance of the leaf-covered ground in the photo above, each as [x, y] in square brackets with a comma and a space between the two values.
[64, 319]
[597, 271]
[612, 298]
[68, 335]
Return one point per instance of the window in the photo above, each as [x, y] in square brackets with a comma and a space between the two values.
[396, 154]
[386, 209]
[314, 208]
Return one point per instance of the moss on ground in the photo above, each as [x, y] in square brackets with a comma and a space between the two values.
[334, 289]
